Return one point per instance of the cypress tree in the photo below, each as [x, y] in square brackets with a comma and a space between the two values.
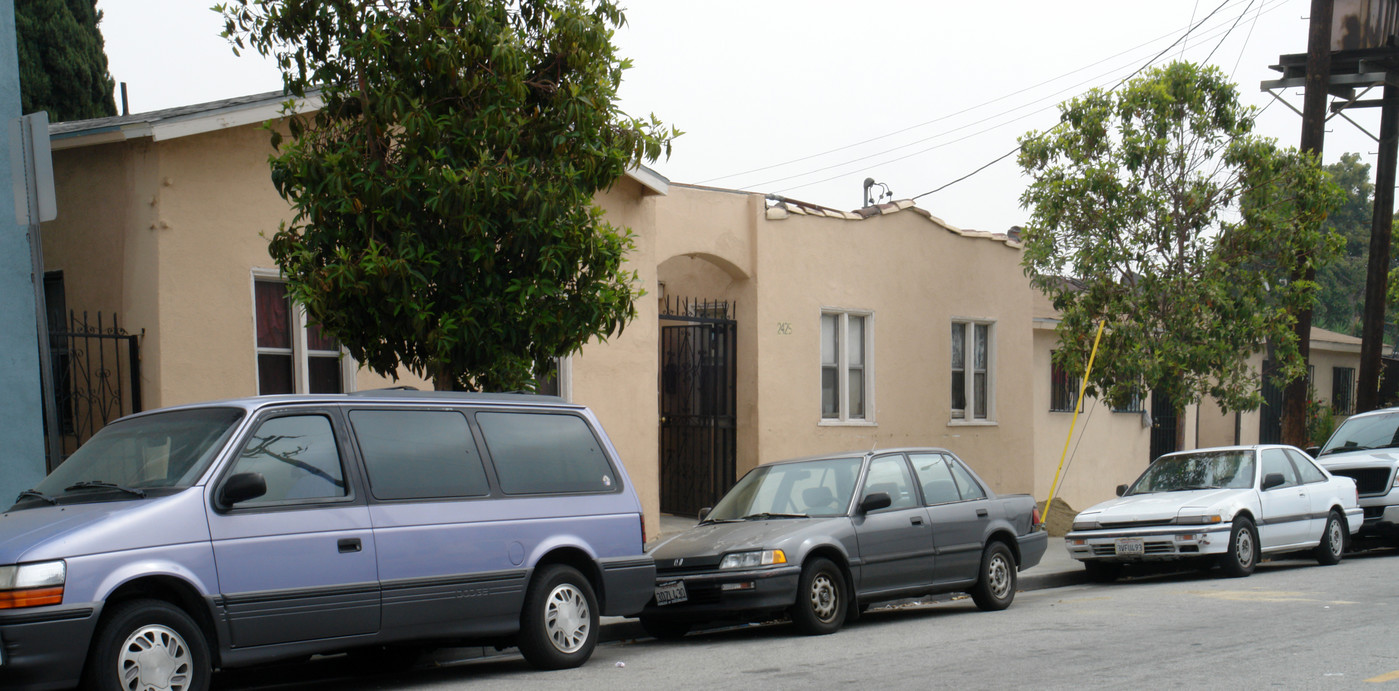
[62, 65]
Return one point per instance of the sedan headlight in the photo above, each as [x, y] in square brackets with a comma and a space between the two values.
[748, 560]
[32, 585]
[1199, 519]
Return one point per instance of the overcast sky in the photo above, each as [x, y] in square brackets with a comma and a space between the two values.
[807, 98]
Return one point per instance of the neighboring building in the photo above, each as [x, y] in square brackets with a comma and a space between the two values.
[1111, 446]
[770, 328]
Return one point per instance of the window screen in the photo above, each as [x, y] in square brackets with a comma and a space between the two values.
[417, 454]
[537, 453]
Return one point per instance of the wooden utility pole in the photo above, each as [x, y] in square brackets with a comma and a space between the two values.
[1377, 275]
[1314, 99]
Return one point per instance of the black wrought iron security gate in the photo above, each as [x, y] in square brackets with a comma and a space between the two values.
[97, 376]
[698, 401]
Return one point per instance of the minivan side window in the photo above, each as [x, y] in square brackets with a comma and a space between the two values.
[542, 453]
[298, 457]
[418, 454]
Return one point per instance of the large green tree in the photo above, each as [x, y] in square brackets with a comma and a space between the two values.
[1341, 282]
[62, 66]
[1155, 209]
[443, 191]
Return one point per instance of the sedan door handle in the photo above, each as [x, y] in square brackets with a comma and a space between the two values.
[916, 520]
[349, 545]
[981, 513]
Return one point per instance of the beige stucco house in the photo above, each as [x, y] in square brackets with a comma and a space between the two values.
[770, 328]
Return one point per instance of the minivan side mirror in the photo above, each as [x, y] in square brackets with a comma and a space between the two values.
[1121, 490]
[1272, 480]
[704, 513]
[242, 487]
[875, 501]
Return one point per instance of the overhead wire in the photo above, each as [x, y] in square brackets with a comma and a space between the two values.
[1050, 106]
[974, 107]
[1139, 70]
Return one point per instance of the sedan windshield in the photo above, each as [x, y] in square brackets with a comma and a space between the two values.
[786, 490]
[153, 451]
[1207, 470]
[1360, 433]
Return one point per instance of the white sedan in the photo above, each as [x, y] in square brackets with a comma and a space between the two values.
[1227, 506]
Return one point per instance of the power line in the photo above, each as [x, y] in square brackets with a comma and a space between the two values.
[1114, 88]
[1054, 95]
[964, 110]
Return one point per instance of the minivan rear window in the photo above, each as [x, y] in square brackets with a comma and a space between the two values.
[540, 453]
[419, 454]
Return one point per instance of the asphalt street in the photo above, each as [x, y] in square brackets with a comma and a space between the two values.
[1292, 625]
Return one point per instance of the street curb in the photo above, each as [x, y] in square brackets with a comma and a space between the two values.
[613, 629]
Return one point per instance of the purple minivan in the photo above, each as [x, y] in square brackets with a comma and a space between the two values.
[225, 534]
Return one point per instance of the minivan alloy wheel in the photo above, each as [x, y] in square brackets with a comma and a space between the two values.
[155, 657]
[567, 618]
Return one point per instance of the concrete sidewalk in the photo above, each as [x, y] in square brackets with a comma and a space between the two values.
[1055, 570]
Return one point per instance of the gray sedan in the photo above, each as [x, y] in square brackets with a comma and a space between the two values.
[821, 538]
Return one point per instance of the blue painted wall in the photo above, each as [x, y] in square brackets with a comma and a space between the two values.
[21, 412]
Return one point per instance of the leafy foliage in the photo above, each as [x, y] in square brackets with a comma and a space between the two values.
[1341, 282]
[443, 193]
[1156, 209]
[62, 66]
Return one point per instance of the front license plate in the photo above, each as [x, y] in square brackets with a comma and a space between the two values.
[1129, 546]
[671, 593]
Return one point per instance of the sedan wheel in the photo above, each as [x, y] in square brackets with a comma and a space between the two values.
[1333, 542]
[821, 599]
[996, 588]
[1242, 556]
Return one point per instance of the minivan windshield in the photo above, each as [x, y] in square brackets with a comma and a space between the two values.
[163, 450]
[791, 490]
[1189, 471]
[1361, 433]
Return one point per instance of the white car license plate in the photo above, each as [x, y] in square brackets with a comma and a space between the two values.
[1129, 546]
[671, 593]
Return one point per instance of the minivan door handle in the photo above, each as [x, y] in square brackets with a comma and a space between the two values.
[349, 545]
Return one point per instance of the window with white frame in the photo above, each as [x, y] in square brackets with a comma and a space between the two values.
[972, 343]
[847, 378]
[293, 356]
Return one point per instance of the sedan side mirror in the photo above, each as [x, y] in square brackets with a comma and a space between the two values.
[242, 487]
[875, 501]
[1272, 480]
[1121, 490]
[704, 513]
[1312, 451]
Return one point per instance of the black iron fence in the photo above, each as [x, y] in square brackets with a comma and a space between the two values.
[96, 376]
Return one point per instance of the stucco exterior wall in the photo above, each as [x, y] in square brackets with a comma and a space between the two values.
[617, 378]
[913, 276]
[1107, 448]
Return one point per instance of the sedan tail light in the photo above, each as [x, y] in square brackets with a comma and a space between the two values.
[1035, 517]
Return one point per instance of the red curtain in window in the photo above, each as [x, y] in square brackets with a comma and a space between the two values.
[273, 315]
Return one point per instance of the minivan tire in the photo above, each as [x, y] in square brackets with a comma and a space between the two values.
[559, 624]
[133, 628]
